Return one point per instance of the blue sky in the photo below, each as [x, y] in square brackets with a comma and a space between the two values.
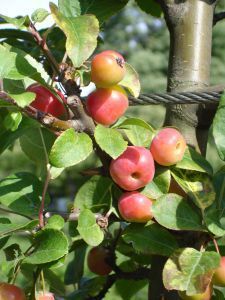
[24, 7]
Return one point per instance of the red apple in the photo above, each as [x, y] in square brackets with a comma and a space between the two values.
[96, 261]
[11, 292]
[168, 147]
[46, 296]
[106, 106]
[133, 169]
[45, 101]
[135, 207]
[219, 275]
[204, 296]
[107, 68]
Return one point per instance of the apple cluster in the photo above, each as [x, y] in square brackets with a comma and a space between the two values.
[109, 101]
[135, 168]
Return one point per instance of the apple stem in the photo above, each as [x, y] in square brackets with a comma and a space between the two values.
[216, 246]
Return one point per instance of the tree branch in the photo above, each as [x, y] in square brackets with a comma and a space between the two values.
[218, 17]
[44, 119]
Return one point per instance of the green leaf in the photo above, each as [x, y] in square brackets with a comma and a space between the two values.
[173, 212]
[162, 178]
[152, 191]
[13, 87]
[55, 172]
[39, 15]
[215, 220]
[55, 222]
[131, 81]
[77, 264]
[128, 289]
[12, 120]
[70, 148]
[7, 61]
[110, 140]
[50, 245]
[192, 160]
[23, 99]
[18, 21]
[4, 240]
[138, 131]
[137, 122]
[81, 33]
[7, 138]
[89, 229]
[32, 144]
[150, 7]
[150, 239]
[55, 282]
[22, 67]
[219, 185]
[70, 8]
[95, 194]
[22, 193]
[198, 186]
[218, 128]
[9, 228]
[100, 9]
[190, 270]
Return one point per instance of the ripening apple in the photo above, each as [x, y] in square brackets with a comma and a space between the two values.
[219, 275]
[46, 296]
[107, 68]
[204, 296]
[96, 261]
[168, 147]
[45, 101]
[11, 292]
[106, 106]
[133, 169]
[135, 207]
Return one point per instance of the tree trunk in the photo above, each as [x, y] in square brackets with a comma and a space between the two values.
[190, 25]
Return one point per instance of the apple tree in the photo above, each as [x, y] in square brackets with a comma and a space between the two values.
[147, 221]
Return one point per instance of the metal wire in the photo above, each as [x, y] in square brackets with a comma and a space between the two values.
[177, 98]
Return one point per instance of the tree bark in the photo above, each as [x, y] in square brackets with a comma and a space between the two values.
[190, 25]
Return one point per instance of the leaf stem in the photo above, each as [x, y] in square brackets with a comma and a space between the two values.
[42, 207]
[216, 246]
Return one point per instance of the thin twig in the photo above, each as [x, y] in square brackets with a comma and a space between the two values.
[216, 246]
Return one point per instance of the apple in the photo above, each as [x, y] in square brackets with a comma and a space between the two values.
[106, 106]
[46, 296]
[219, 275]
[204, 296]
[11, 292]
[168, 147]
[135, 207]
[133, 169]
[96, 261]
[45, 101]
[107, 68]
